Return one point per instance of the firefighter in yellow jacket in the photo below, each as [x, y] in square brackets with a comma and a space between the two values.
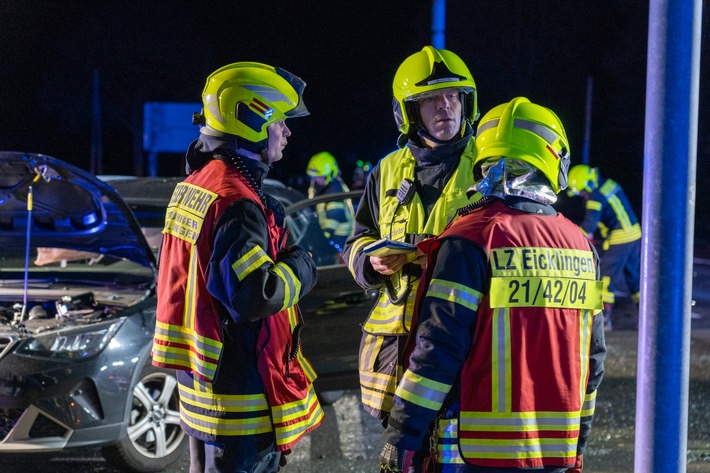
[610, 219]
[335, 217]
[227, 319]
[410, 195]
[507, 346]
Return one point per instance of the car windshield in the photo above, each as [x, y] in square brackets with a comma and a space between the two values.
[148, 199]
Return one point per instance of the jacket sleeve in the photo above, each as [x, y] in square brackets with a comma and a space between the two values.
[242, 274]
[366, 231]
[447, 317]
[593, 211]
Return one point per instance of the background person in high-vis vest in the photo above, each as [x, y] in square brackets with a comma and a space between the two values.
[335, 217]
[227, 318]
[410, 195]
[507, 348]
[610, 220]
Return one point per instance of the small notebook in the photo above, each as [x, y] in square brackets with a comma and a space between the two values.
[385, 247]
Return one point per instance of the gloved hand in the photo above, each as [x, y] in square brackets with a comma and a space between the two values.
[577, 468]
[393, 460]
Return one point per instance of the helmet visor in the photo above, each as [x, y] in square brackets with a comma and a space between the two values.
[437, 92]
[298, 85]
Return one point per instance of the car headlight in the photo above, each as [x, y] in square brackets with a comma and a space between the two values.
[71, 343]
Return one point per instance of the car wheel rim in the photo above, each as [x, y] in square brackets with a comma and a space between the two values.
[154, 423]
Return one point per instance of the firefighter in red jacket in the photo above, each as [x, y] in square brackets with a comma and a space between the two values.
[227, 319]
[507, 347]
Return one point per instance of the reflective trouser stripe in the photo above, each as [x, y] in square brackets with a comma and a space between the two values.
[378, 389]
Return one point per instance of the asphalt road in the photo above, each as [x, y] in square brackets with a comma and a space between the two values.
[349, 440]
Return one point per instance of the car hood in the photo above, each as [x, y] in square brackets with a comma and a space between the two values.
[70, 208]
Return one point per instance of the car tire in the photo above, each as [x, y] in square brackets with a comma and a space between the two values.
[154, 439]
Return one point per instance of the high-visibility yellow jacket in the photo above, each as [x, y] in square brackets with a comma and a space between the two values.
[380, 357]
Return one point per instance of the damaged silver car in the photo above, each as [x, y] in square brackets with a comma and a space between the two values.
[77, 313]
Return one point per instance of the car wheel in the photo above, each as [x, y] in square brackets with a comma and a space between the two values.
[154, 438]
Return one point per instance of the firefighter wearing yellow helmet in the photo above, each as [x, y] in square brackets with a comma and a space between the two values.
[610, 220]
[228, 289]
[410, 195]
[511, 288]
[334, 216]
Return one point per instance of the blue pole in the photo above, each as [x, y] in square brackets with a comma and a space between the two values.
[438, 24]
[670, 148]
[587, 121]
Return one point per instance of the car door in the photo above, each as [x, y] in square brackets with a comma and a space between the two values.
[335, 309]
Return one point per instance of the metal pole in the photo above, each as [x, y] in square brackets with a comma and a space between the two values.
[587, 121]
[670, 147]
[96, 140]
[438, 24]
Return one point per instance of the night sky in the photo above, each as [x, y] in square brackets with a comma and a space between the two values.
[346, 51]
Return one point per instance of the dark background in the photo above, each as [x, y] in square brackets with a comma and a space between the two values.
[346, 50]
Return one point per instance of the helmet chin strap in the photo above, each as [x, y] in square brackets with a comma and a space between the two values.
[264, 154]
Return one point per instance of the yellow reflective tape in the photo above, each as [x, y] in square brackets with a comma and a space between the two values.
[205, 398]
[188, 307]
[625, 235]
[355, 249]
[176, 333]
[186, 211]
[292, 285]
[546, 292]
[293, 410]
[519, 448]
[183, 357]
[545, 262]
[368, 352]
[454, 292]
[253, 259]
[594, 205]
[500, 361]
[590, 401]
[287, 433]
[422, 391]
[228, 427]
[530, 420]
[192, 198]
